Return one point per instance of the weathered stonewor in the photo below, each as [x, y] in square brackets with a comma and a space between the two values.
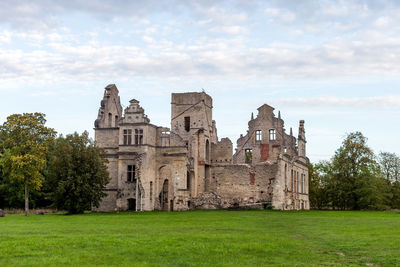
[186, 166]
[207, 200]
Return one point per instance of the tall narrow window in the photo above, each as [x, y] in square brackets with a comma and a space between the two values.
[286, 177]
[109, 119]
[272, 135]
[130, 175]
[187, 180]
[138, 136]
[292, 180]
[248, 155]
[187, 124]
[302, 184]
[151, 191]
[207, 150]
[297, 182]
[116, 121]
[127, 136]
[258, 135]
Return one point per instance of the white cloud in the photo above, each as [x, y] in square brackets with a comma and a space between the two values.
[5, 37]
[280, 14]
[382, 22]
[233, 30]
[385, 102]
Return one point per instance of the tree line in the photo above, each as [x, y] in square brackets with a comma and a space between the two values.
[355, 178]
[39, 169]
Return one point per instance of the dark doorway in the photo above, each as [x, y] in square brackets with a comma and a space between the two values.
[171, 205]
[164, 195]
[131, 204]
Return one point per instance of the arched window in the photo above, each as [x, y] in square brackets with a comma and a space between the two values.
[116, 121]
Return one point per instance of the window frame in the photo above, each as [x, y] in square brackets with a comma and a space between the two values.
[272, 135]
[138, 136]
[258, 135]
[131, 173]
[127, 136]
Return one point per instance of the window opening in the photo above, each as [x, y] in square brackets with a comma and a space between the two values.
[138, 136]
[272, 135]
[248, 155]
[109, 119]
[127, 136]
[131, 173]
[258, 135]
[187, 124]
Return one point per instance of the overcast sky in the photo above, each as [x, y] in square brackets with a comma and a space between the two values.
[335, 64]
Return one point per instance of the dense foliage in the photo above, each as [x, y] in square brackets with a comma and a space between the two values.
[77, 173]
[66, 173]
[24, 142]
[355, 178]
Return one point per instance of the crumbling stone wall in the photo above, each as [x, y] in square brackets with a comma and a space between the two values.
[243, 185]
[221, 152]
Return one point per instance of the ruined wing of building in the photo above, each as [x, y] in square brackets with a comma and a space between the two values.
[188, 167]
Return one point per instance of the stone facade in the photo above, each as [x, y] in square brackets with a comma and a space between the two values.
[188, 167]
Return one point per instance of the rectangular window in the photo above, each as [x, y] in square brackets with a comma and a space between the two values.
[258, 135]
[272, 135]
[248, 155]
[187, 124]
[127, 136]
[139, 136]
[297, 182]
[130, 175]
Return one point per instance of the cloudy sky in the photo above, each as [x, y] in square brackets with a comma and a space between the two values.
[335, 64]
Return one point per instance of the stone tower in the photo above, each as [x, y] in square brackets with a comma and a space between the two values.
[191, 118]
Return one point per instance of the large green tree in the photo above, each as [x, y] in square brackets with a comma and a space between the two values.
[24, 142]
[77, 173]
[353, 179]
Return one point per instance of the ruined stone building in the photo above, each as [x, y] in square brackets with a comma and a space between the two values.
[188, 167]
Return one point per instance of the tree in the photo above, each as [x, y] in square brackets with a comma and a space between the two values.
[319, 175]
[77, 173]
[390, 166]
[24, 141]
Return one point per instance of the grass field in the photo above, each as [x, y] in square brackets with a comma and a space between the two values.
[203, 238]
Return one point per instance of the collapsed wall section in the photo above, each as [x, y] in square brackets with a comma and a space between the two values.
[242, 185]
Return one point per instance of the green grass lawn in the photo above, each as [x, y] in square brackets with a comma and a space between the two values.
[203, 238]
